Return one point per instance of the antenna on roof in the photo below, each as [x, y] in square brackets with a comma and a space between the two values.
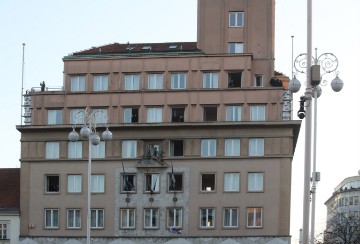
[22, 82]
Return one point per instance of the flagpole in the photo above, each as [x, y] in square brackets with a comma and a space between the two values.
[22, 83]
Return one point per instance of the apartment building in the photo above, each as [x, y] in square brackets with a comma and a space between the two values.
[202, 139]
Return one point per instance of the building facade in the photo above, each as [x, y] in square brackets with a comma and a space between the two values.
[202, 139]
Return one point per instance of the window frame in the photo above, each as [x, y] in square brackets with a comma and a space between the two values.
[154, 115]
[52, 150]
[178, 80]
[74, 183]
[235, 47]
[233, 113]
[98, 151]
[4, 230]
[207, 213]
[100, 82]
[130, 218]
[255, 181]
[209, 112]
[208, 147]
[229, 211]
[154, 185]
[100, 115]
[78, 83]
[153, 216]
[54, 218]
[47, 184]
[75, 149]
[257, 112]
[124, 183]
[256, 147]
[259, 80]
[233, 184]
[254, 218]
[155, 81]
[129, 148]
[210, 80]
[232, 147]
[97, 183]
[54, 116]
[77, 116]
[178, 182]
[99, 220]
[207, 185]
[131, 115]
[75, 219]
[132, 82]
[236, 23]
[174, 219]
[174, 148]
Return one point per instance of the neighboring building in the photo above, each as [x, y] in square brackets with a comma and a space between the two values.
[9, 205]
[343, 208]
[209, 114]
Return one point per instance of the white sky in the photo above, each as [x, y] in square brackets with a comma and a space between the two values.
[53, 29]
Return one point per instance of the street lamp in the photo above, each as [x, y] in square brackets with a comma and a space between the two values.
[88, 131]
[327, 63]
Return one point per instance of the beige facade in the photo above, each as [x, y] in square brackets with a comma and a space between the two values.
[215, 114]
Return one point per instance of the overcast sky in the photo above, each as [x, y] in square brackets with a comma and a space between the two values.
[53, 29]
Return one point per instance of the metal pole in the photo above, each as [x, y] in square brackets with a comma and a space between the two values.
[22, 83]
[89, 197]
[307, 161]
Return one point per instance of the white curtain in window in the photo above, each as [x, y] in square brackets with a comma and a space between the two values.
[98, 151]
[52, 150]
[232, 147]
[154, 115]
[101, 82]
[97, 183]
[75, 149]
[231, 182]
[129, 149]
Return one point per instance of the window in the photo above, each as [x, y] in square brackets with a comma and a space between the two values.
[131, 115]
[127, 218]
[210, 113]
[101, 82]
[254, 217]
[4, 231]
[236, 19]
[177, 114]
[98, 151]
[255, 182]
[151, 218]
[233, 113]
[258, 81]
[231, 182]
[101, 115]
[175, 182]
[77, 116]
[129, 149]
[51, 218]
[174, 217]
[132, 82]
[73, 218]
[128, 183]
[208, 148]
[207, 217]
[234, 79]
[176, 148]
[152, 182]
[51, 183]
[98, 183]
[78, 83]
[75, 149]
[178, 81]
[230, 217]
[52, 150]
[236, 47]
[155, 81]
[207, 182]
[54, 117]
[97, 218]
[74, 183]
[211, 80]
[154, 115]
[232, 147]
[257, 112]
[256, 147]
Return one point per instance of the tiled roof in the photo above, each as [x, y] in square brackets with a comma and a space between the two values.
[141, 48]
[9, 188]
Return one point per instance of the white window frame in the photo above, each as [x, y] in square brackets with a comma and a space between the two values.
[51, 215]
[206, 214]
[205, 187]
[236, 19]
[97, 183]
[131, 184]
[4, 230]
[178, 80]
[252, 216]
[211, 80]
[256, 147]
[98, 151]
[129, 149]
[255, 182]
[230, 217]
[259, 81]
[236, 47]
[132, 82]
[52, 150]
[74, 183]
[54, 116]
[174, 217]
[101, 82]
[154, 115]
[231, 182]
[208, 147]
[73, 218]
[128, 113]
[57, 187]
[232, 147]
[77, 116]
[78, 83]
[155, 81]
[75, 149]
[233, 113]
[151, 218]
[154, 183]
[127, 218]
[97, 218]
[257, 112]
[101, 115]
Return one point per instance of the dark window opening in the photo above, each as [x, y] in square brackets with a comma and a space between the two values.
[134, 115]
[234, 79]
[210, 113]
[128, 183]
[177, 148]
[52, 183]
[177, 115]
[175, 182]
[208, 182]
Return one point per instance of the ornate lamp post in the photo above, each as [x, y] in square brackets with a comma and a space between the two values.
[88, 131]
[327, 63]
